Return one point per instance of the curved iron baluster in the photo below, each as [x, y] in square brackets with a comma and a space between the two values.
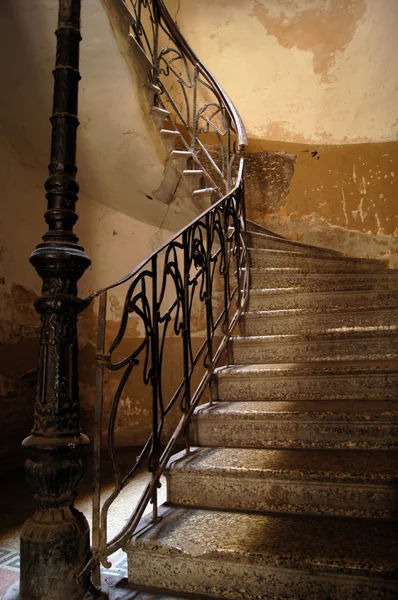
[202, 270]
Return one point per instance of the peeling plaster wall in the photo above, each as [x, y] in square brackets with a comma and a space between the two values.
[316, 83]
[308, 71]
[120, 164]
[339, 197]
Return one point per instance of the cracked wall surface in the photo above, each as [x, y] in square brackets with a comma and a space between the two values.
[342, 197]
[308, 71]
[316, 83]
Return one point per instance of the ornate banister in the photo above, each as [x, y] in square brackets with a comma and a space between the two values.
[55, 542]
[201, 273]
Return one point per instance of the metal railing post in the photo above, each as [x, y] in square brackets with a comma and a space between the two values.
[55, 541]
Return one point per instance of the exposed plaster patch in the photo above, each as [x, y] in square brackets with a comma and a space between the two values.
[315, 230]
[324, 29]
[278, 130]
[344, 207]
[362, 213]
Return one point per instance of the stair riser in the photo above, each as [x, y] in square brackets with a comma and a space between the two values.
[309, 264]
[261, 324]
[264, 301]
[246, 353]
[268, 493]
[294, 434]
[241, 580]
[324, 283]
[268, 243]
[317, 387]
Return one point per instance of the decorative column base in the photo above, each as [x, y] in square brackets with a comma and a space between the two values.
[55, 541]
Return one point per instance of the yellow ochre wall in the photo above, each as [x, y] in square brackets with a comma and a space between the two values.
[318, 80]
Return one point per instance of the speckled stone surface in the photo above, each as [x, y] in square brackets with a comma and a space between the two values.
[248, 556]
[261, 240]
[290, 321]
[326, 424]
[276, 299]
[302, 381]
[318, 282]
[342, 346]
[354, 483]
[311, 264]
[293, 494]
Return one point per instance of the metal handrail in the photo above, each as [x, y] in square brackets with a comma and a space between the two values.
[202, 269]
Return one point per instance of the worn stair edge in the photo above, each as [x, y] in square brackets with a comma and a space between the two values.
[313, 348]
[292, 278]
[306, 381]
[291, 298]
[290, 258]
[249, 556]
[262, 240]
[291, 321]
[334, 424]
[338, 482]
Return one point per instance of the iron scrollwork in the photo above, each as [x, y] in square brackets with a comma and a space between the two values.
[188, 295]
[197, 282]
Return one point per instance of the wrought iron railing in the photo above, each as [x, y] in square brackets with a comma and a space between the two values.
[184, 299]
[210, 125]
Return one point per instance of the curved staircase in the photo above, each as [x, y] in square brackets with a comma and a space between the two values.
[291, 490]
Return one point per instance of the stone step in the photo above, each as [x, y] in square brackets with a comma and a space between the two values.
[169, 137]
[324, 482]
[260, 257]
[159, 116]
[124, 591]
[180, 158]
[262, 240]
[344, 424]
[193, 178]
[245, 556]
[275, 299]
[292, 321]
[266, 278]
[367, 344]
[308, 381]
[253, 227]
[114, 588]
[204, 197]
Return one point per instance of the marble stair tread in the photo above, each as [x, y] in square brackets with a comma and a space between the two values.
[307, 369]
[332, 334]
[293, 277]
[347, 466]
[289, 298]
[326, 410]
[253, 227]
[322, 310]
[266, 240]
[130, 594]
[267, 253]
[354, 546]
[312, 320]
[331, 345]
[305, 424]
[298, 290]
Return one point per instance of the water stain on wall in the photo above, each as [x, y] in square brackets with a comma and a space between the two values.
[341, 197]
[323, 27]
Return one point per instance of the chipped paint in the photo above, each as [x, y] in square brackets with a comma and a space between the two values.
[314, 71]
[323, 193]
[325, 28]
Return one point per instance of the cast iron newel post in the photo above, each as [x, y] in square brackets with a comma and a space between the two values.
[55, 541]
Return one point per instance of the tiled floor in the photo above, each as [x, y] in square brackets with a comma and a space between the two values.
[17, 504]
